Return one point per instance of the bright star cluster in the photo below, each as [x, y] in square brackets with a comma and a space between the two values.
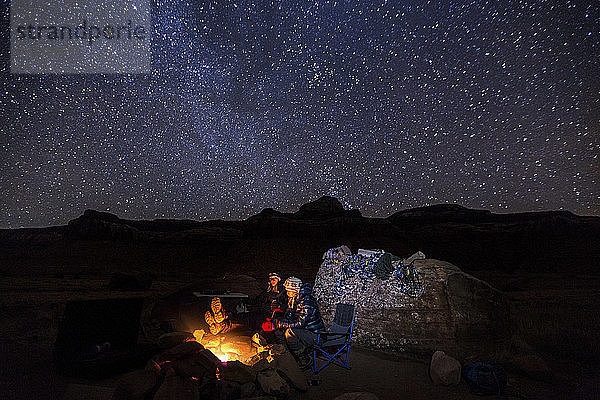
[386, 105]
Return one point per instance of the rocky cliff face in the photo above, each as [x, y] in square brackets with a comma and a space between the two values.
[456, 313]
[293, 242]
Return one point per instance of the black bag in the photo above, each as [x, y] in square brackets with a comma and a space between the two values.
[484, 378]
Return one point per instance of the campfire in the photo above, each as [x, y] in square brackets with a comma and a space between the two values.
[193, 371]
[230, 365]
[230, 347]
[215, 357]
[228, 341]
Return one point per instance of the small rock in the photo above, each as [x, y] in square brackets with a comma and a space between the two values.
[271, 383]
[444, 370]
[288, 368]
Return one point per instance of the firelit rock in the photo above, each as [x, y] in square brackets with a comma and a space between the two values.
[181, 351]
[208, 360]
[457, 312]
[135, 385]
[172, 339]
[288, 368]
[235, 371]
[177, 388]
[271, 383]
[259, 367]
[189, 367]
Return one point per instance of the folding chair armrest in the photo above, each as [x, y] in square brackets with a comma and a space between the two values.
[326, 334]
[338, 334]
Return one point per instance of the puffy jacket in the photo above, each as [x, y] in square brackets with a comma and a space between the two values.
[305, 314]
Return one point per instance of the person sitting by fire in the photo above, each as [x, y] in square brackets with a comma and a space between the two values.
[217, 318]
[301, 320]
[272, 300]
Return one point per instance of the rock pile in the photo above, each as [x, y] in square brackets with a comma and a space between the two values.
[189, 371]
[456, 313]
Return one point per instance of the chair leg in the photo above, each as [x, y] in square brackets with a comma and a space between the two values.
[314, 361]
[339, 358]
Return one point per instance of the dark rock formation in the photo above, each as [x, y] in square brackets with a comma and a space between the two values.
[324, 208]
[293, 242]
[101, 225]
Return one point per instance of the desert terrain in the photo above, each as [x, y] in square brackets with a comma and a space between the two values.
[544, 263]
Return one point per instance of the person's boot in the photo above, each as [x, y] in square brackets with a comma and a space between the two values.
[303, 360]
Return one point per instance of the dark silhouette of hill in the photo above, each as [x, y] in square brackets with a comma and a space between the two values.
[294, 242]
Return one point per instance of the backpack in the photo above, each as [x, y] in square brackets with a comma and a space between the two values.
[484, 378]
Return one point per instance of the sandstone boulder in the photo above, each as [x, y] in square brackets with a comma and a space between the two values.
[454, 313]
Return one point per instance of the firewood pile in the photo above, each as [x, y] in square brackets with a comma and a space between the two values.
[190, 371]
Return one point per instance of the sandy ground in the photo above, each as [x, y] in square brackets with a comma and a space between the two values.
[31, 307]
[371, 372]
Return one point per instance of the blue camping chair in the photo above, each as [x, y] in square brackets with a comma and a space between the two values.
[333, 346]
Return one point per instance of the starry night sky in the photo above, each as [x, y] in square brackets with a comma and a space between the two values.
[386, 105]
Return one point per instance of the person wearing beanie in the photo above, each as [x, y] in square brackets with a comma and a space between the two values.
[301, 321]
[273, 297]
[268, 304]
